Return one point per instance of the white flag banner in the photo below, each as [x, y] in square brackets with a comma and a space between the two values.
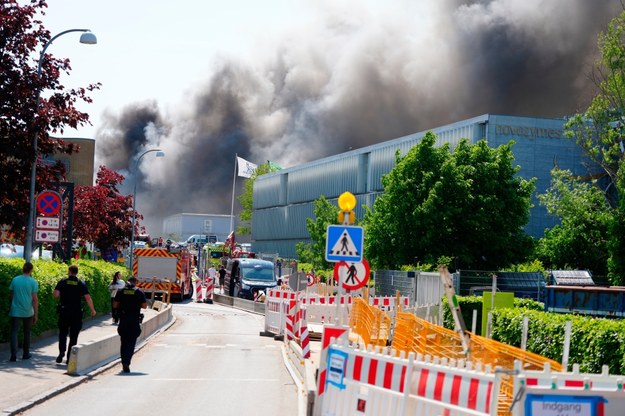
[245, 168]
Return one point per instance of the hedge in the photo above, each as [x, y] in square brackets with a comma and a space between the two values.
[594, 341]
[96, 274]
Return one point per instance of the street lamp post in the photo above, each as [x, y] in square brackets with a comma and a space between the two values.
[90, 39]
[159, 153]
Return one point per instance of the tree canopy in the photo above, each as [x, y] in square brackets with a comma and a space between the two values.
[325, 214]
[579, 241]
[25, 115]
[247, 196]
[600, 131]
[101, 214]
[466, 205]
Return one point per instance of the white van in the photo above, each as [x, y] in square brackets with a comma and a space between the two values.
[197, 239]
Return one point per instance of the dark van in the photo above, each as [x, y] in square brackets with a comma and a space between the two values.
[247, 276]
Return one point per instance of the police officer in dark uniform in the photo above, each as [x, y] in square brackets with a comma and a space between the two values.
[129, 302]
[71, 291]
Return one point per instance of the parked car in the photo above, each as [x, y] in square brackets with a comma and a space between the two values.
[245, 277]
[13, 250]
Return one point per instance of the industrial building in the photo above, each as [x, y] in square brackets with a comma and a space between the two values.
[179, 227]
[284, 199]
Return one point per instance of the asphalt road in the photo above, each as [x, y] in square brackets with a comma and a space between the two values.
[211, 361]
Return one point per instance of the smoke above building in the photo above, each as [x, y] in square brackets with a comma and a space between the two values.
[357, 74]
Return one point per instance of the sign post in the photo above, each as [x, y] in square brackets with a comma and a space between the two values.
[344, 243]
[48, 222]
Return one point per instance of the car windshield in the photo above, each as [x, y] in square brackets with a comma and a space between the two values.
[258, 272]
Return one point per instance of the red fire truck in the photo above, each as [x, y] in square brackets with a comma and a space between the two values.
[155, 267]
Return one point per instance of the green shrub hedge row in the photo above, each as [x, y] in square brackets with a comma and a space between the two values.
[96, 274]
[594, 341]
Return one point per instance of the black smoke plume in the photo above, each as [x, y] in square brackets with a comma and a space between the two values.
[355, 76]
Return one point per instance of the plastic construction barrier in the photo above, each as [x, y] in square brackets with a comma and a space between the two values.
[369, 324]
[568, 393]
[277, 308]
[370, 382]
[413, 334]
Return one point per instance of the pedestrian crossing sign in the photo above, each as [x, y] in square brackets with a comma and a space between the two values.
[344, 243]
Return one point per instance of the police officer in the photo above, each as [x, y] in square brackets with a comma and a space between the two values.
[129, 302]
[71, 291]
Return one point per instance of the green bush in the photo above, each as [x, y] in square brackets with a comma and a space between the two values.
[96, 274]
[594, 341]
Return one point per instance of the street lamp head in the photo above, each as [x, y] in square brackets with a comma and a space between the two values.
[88, 38]
[160, 153]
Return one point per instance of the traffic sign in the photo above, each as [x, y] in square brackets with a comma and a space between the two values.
[344, 243]
[311, 279]
[352, 276]
[47, 236]
[48, 223]
[49, 203]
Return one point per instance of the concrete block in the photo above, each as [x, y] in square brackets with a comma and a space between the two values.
[88, 356]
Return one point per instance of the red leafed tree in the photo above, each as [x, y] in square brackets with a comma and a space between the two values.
[22, 38]
[101, 214]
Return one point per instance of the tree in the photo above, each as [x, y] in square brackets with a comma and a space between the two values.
[467, 205]
[600, 131]
[314, 253]
[580, 240]
[101, 214]
[23, 116]
[247, 196]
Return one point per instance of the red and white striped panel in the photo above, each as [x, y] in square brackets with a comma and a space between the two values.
[304, 338]
[464, 390]
[547, 382]
[389, 302]
[210, 287]
[290, 321]
[376, 372]
[325, 300]
[281, 294]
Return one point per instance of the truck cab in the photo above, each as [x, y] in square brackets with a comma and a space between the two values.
[245, 277]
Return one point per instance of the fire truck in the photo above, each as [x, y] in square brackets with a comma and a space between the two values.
[153, 267]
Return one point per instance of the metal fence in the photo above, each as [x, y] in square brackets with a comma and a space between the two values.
[422, 288]
[522, 284]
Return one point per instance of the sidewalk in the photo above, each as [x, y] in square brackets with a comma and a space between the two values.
[27, 382]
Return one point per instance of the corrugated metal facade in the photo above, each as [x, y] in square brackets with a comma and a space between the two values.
[182, 226]
[283, 200]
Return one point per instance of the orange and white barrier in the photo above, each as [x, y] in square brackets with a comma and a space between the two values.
[399, 385]
[585, 393]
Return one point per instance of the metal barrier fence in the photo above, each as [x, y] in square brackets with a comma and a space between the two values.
[422, 288]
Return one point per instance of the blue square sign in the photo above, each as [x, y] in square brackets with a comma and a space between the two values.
[344, 243]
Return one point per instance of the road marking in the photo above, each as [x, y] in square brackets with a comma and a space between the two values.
[220, 379]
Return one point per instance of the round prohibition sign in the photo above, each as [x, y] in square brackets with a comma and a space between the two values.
[311, 279]
[49, 203]
[352, 275]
